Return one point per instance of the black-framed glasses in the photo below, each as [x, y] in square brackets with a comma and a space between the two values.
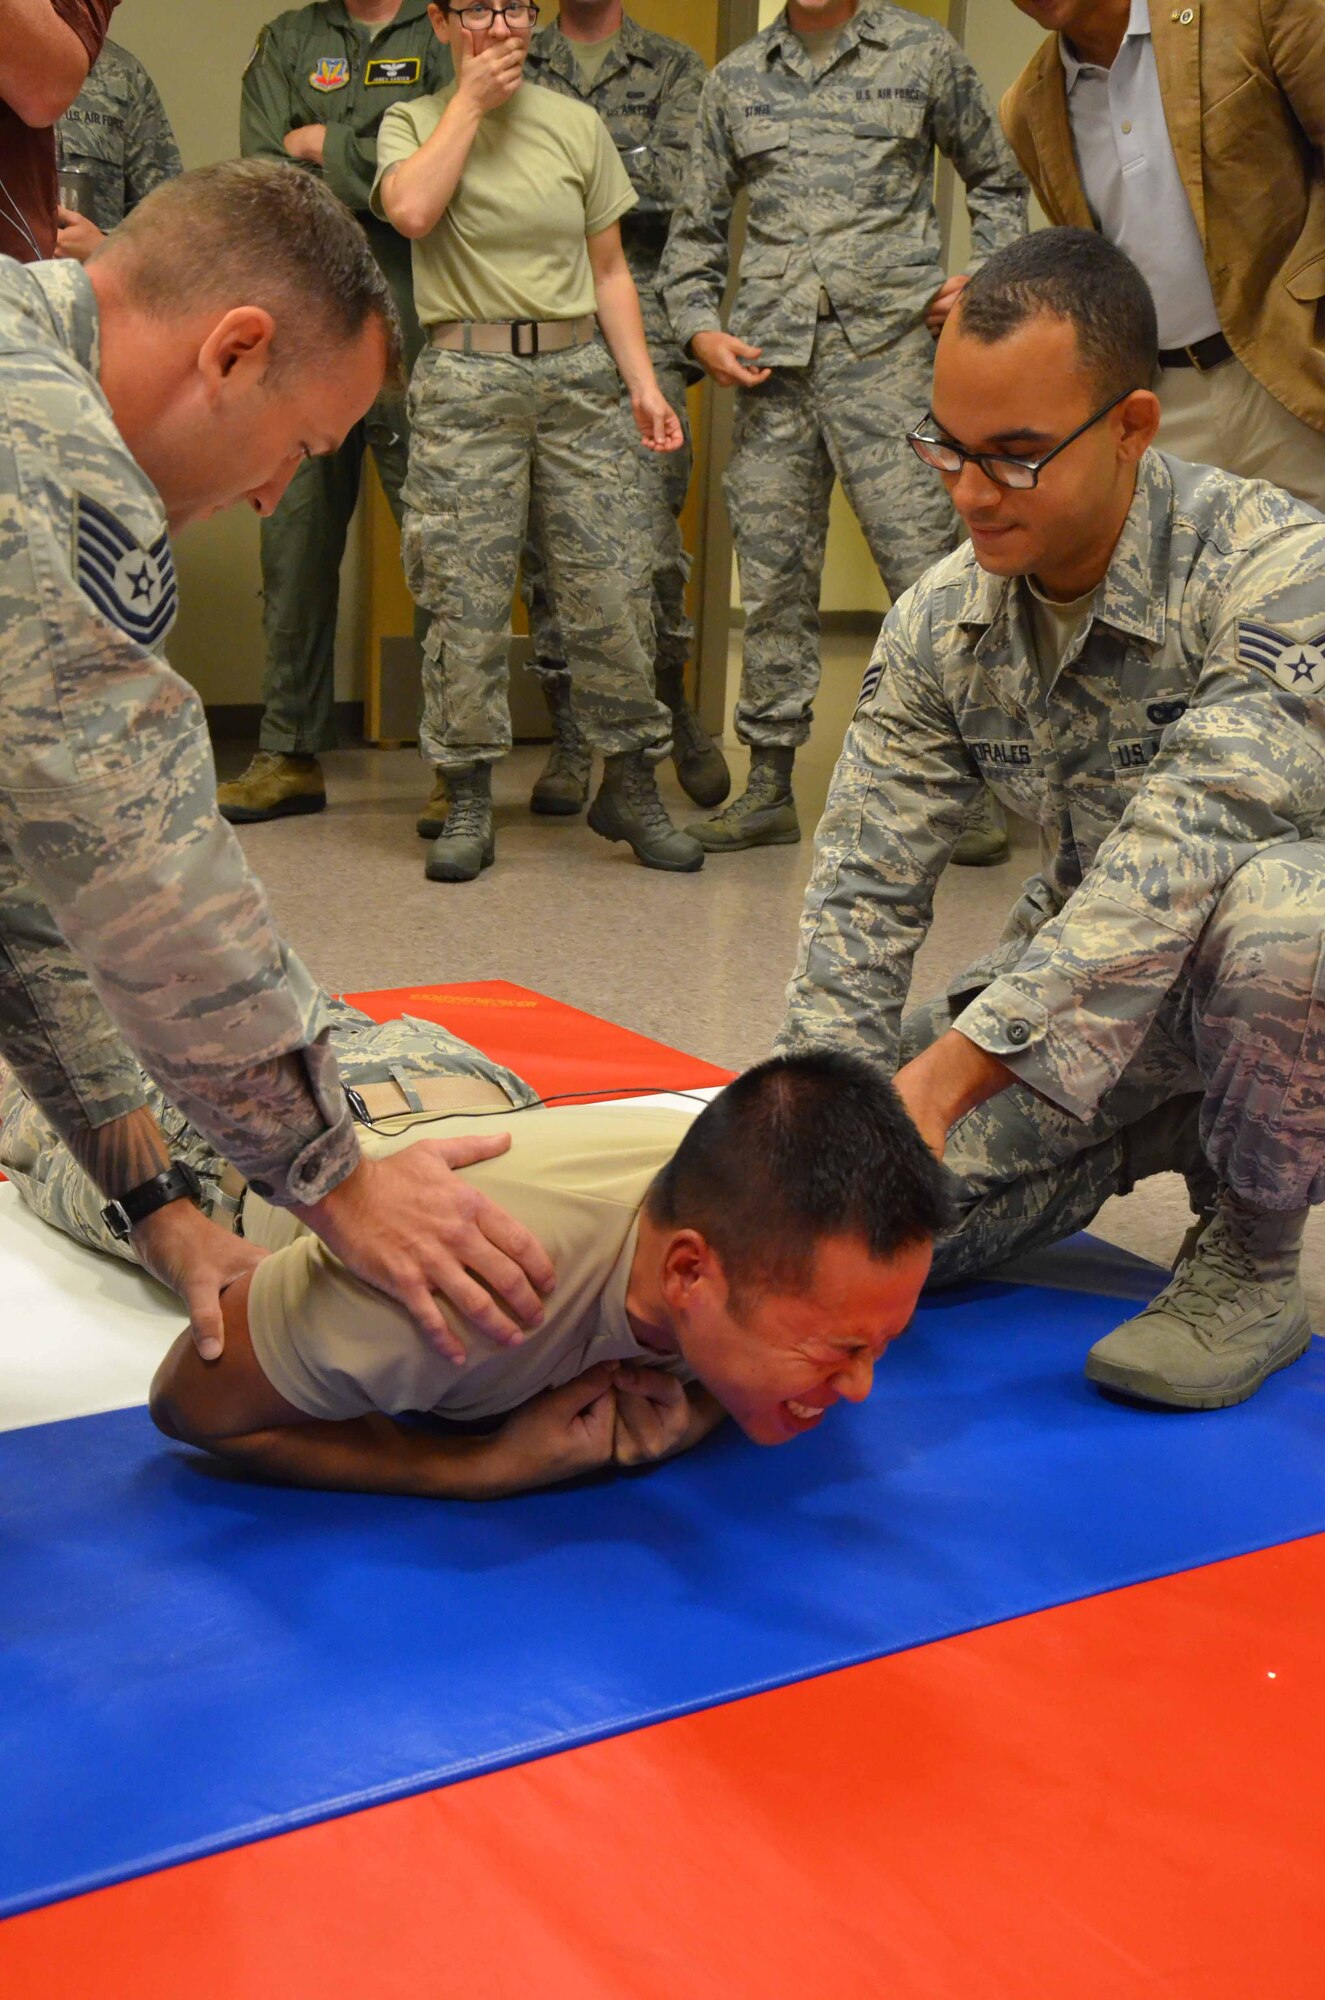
[480, 18]
[943, 455]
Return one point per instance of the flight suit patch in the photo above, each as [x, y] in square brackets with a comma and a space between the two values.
[393, 69]
[332, 73]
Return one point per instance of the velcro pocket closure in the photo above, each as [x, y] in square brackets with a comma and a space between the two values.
[760, 135]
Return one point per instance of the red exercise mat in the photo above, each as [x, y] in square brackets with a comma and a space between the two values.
[554, 1047]
[1119, 1797]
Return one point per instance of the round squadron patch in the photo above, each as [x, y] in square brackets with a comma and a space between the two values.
[1296, 664]
[133, 587]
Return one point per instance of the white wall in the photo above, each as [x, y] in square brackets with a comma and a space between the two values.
[196, 55]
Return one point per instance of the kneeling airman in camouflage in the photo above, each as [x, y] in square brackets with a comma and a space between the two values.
[829, 120]
[1131, 651]
[512, 197]
[645, 87]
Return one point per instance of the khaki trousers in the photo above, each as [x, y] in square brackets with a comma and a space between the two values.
[1224, 417]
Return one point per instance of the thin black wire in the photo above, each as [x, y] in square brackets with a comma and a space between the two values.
[509, 1111]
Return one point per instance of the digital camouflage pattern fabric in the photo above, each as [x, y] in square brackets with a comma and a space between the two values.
[1172, 941]
[127, 911]
[498, 440]
[647, 94]
[55, 1187]
[839, 167]
[117, 134]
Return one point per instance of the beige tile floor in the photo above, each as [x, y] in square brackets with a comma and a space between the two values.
[696, 960]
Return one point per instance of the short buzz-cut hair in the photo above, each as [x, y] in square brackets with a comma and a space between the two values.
[797, 1150]
[1075, 275]
[256, 233]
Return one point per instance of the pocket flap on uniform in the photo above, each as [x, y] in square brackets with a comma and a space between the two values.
[760, 135]
[764, 260]
[1308, 284]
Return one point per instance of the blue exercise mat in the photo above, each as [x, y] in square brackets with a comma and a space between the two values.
[191, 1661]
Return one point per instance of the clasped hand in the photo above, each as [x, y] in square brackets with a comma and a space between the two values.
[617, 1413]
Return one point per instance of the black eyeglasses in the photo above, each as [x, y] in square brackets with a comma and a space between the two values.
[1019, 473]
[480, 18]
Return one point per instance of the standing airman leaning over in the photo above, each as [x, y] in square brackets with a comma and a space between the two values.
[232, 325]
[829, 119]
[1131, 649]
[316, 90]
[645, 87]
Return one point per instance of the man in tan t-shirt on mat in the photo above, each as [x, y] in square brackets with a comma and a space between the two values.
[756, 1260]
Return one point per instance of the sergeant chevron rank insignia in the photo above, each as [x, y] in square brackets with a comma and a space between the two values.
[1298, 665]
[131, 586]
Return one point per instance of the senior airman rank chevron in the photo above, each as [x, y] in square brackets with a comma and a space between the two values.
[133, 587]
[1296, 664]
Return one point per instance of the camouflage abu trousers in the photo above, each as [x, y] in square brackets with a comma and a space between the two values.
[842, 416]
[665, 479]
[495, 436]
[55, 1187]
[1236, 1055]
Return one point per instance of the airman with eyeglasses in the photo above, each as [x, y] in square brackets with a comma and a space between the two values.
[1131, 652]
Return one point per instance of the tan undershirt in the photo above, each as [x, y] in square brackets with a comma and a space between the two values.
[590, 57]
[576, 1175]
[819, 44]
[1055, 627]
[541, 177]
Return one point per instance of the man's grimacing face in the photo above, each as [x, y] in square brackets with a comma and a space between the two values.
[786, 1358]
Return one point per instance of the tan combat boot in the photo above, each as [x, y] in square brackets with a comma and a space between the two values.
[273, 787]
[763, 816]
[1231, 1314]
[433, 817]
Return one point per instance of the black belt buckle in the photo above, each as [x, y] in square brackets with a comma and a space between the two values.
[520, 327]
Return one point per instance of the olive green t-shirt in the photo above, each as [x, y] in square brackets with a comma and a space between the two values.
[819, 44]
[1055, 625]
[542, 176]
[576, 1175]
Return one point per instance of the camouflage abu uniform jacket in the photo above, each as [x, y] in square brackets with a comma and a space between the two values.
[647, 95]
[317, 65]
[839, 164]
[123, 894]
[1183, 732]
[116, 132]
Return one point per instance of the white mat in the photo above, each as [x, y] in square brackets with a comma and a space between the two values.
[79, 1332]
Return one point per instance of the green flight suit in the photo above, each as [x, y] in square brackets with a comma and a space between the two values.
[316, 65]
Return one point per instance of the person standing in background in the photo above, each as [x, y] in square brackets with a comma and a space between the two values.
[645, 87]
[829, 120]
[316, 90]
[1191, 138]
[114, 145]
[511, 196]
[46, 50]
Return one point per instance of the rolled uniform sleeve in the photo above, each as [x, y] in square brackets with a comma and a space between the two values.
[895, 811]
[693, 275]
[1242, 770]
[108, 810]
[967, 131]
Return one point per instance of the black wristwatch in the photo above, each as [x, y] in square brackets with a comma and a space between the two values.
[178, 1183]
